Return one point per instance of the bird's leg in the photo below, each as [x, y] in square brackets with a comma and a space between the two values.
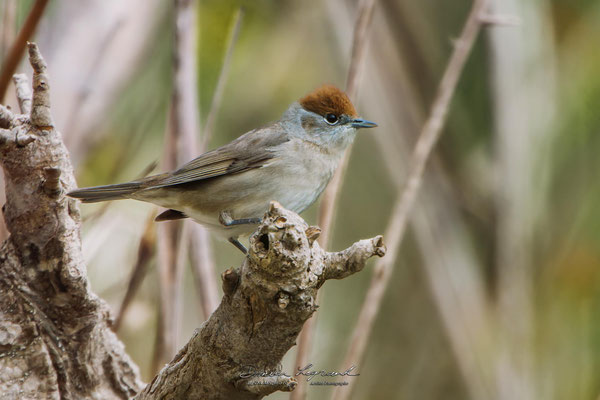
[237, 244]
[226, 220]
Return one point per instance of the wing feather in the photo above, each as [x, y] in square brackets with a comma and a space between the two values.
[249, 151]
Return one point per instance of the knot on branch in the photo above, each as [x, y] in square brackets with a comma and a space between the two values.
[280, 246]
[231, 278]
[52, 181]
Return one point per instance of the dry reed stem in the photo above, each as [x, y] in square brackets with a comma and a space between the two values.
[180, 141]
[327, 206]
[453, 272]
[18, 47]
[217, 98]
[201, 255]
[357, 62]
[146, 250]
[203, 269]
[395, 232]
[519, 144]
[8, 30]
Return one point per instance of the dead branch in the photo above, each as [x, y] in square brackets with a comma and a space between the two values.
[266, 302]
[55, 336]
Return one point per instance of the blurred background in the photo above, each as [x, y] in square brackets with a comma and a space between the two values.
[497, 282]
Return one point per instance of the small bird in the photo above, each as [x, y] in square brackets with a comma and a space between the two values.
[228, 189]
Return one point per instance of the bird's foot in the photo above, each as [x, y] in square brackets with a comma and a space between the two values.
[226, 220]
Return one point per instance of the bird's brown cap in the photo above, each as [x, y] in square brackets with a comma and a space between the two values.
[328, 100]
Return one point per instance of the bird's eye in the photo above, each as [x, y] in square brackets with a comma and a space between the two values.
[331, 119]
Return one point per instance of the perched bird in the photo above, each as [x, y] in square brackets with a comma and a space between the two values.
[229, 189]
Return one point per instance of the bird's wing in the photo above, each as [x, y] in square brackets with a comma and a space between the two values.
[251, 150]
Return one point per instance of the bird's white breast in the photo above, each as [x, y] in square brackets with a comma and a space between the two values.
[302, 174]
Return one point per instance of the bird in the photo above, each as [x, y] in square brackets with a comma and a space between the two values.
[229, 189]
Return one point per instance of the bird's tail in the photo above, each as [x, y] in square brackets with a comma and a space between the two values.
[105, 193]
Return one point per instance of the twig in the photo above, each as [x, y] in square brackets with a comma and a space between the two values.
[327, 206]
[82, 92]
[395, 232]
[203, 269]
[215, 104]
[146, 251]
[9, 16]
[18, 47]
[359, 46]
[500, 19]
[40, 101]
[453, 274]
[23, 92]
[305, 344]
[6, 117]
[169, 275]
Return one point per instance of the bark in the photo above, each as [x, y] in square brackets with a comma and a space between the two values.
[55, 336]
[266, 301]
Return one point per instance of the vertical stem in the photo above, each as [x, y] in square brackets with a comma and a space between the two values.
[18, 47]
[357, 62]
[146, 250]
[428, 137]
[327, 206]
[180, 142]
[9, 17]
[217, 98]
[520, 140]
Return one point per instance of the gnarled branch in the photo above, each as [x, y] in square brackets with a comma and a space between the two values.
[266, 302]
[55, 340]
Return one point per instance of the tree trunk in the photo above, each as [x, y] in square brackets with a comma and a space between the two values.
[55, 336]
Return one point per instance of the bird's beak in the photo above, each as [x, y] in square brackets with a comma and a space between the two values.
[362, 123]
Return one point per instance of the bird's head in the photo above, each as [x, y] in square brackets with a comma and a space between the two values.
[326, 117]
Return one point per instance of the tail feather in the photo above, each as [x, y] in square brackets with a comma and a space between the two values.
[105, 193]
